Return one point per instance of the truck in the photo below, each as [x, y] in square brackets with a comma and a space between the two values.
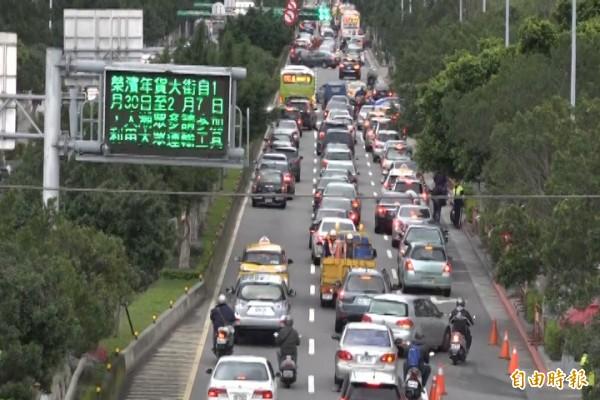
[360, 254]
[350, 24]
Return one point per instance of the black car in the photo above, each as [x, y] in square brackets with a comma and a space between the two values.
[294, 158]
[386, 209]
[285, 168]
[322, 184]
[350, 67]
[337, 135]
[291, 114]
[267, 184]
[324, 128]
[316, 58]
[306, 110]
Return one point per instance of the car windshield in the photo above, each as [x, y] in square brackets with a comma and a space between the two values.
[366, 337]
[241, 371]
[428, 253]
[271, 177]
[339, 156]
[336, 105]
[346, 191]
[322, 213]
[370, 392]
[326, 181]
[365, 284]
[287, 124]
[252, 291]
[326, 226]
[337, 202]
[413, 212]
[405, 186]
[385, 136]
[385, 307]
[263, 257]
[423, 235]
[274, 165]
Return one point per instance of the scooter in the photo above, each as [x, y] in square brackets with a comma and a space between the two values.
[413, 384]
[288, 370]
[224, 342]
[458, 348]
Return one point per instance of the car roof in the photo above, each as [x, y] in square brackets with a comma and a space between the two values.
[336, 219]
[245, 359]
[398, 297]
[373, 376]
[272, 153]
[341, 184]
[366, 326]
[264, 244]
[287, 148]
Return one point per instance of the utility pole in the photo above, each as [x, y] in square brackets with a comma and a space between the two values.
[573, 50]
[50, 16]
[484, 5]
[402, 10]
[460, 11]
[52, 127]
[507, 24]
[410, 6]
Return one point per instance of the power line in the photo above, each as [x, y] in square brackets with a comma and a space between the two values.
[150, 192]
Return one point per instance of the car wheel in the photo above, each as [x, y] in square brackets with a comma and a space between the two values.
[445, 346]
[336, 380]
[254, 203]
[339, 326]
[298, 178]
[447, 292]
[377, 228]
[283, 205]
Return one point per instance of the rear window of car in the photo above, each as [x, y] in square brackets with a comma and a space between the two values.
[338, 137]
[271, 177]
[343, 226]
[251, 292]
[370, 392]
[394, 154]
[423, 235]
[428, 253]
[280, 166]
[263, 257]
[385, 307]
[367, 337]
[405, 186]
[241, 371]
[338, 155]
[330, 213]
[384, 137]
[365, 284]
[413, 212]
[302, 105]
[339, 190]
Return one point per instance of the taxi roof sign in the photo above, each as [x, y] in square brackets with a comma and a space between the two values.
[264, 240]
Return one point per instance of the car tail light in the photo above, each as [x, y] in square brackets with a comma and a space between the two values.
[287, 178]
[216, 392]
[262, 394]
[341, 295]
[353, 216]
[405, 323]
[366, 318]
[321, 135]
[388, 358]
[342, 65]
[397, 225]
[455, 338]
[381, 210]
[366, 124]
[447, 268]
[408, 265]
[357, 66]
[344, 355]
[324, 163]
[355, 203]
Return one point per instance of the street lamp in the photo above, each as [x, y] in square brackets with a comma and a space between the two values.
[573, 50]
[507, 24]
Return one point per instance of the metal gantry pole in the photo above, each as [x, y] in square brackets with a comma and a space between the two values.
[484, 5]
[402, 10]
[460, 10]
[573, 51]
[74, 113]
[50, 16]
[52, 127]
[410, 6]
[507, 24]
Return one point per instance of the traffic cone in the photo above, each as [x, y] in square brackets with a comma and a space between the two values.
[433, 392]
[441, 382]
[493, 334]
[505, 349]
[513, 364]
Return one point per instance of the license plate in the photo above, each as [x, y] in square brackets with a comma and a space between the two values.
[455, 346]
[262, 311]
[327, 296]
[288, 374]
[363, 301]
[365, 359]
[239, 397]
[268, 200]
[412, 384]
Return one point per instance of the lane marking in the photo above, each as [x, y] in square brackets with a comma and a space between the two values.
[312, 290]
[314, 190]
[311, 384]
[375, 194]
[312, 269]
[311, 346]
[395, 274]
[311, 315]
[385, 237]
[314, 181]
[315, 135]
[314, 170]
[368, 164]
[205, 329]
[389, 253]
[372, 183]
[370, 173]
[314, 160]
[367, 156]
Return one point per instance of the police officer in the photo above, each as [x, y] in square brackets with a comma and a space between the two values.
[458, 203]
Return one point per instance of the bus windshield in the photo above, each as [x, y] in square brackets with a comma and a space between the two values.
[297, 83]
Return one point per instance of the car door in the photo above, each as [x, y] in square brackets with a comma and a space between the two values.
[439, 321]
[424, 316]
[273, 377]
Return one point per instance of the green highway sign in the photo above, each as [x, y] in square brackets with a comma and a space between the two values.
[166, 113]
[194, 13]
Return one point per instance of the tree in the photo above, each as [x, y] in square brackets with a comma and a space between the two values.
[537, 36]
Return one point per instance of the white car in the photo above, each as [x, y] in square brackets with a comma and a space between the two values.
[242, 378]
[319, 235]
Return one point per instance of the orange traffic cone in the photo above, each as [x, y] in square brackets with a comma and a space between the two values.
[513, 364]
[493, 334]
[505, 349]
[441, 382]
[433, 392]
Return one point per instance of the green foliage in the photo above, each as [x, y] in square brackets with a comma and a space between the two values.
[537, 36]
[553, 340]
[533, 298]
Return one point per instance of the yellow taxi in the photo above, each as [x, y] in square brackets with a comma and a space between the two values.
[264, 257]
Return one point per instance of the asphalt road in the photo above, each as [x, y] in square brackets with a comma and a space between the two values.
[484, 375]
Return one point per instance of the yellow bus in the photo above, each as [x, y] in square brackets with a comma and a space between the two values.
[297, 81]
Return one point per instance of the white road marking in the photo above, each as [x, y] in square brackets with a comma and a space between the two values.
[372, 183]
[312, 290]
[314, 170]
[206, 328]
[395, 274]
[311, 315]
[367, 155]
[314, 180]
[314, 160]
[375, 194]
[311, 346]
[315, 135]
[311, 384]
[314, 190]
[370, 173]
[389, 253]
[312, 269]
[368, 164]
[385, 237]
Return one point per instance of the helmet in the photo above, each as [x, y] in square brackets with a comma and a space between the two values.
[418, 337]
[460, 302]
[332, 233]
[221, 299]
[349, 236]
[288, 320]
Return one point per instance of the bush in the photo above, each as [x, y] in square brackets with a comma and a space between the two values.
[532, 298]
[180, 274]
[553, 340]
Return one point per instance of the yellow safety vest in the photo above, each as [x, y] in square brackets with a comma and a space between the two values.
[591, 375]
[459, 190]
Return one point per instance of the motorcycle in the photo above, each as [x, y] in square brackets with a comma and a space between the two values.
[413, 384]
[224, 342]
[288, 370]
[458, 348]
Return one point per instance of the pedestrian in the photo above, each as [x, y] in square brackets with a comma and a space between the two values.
[458, 203]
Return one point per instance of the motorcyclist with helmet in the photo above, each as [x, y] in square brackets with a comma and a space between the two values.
[461, 321]
[288, 340]
[418, 357]
[329, 244]
[221, 315]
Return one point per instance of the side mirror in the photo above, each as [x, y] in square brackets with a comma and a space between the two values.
[229, 290]
[209, 371]
[398, 342]
[374, 252]
[277, 374]
[292, 293]
[290, 261]
[336, 337]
